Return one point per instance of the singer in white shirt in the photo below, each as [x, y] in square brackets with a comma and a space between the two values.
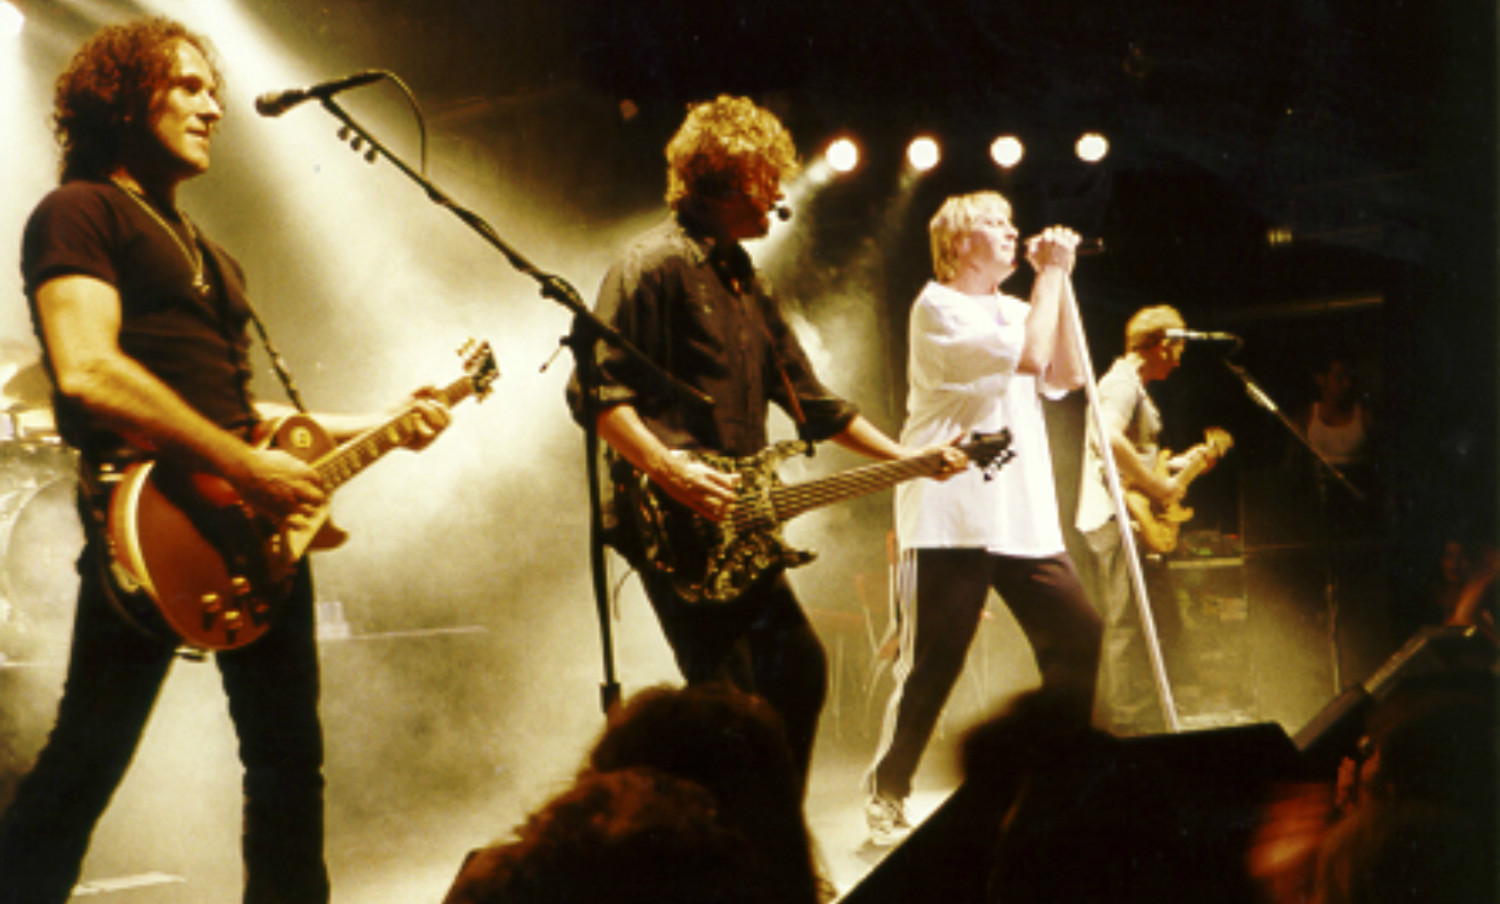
[981, 360]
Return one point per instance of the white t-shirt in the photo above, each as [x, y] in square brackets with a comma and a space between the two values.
[1124, 407]
[962, 371]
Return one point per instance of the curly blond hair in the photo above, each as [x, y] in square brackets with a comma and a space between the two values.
[1148, 326]
[727, 145]
[955, 219]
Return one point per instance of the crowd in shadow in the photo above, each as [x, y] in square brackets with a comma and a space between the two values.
[690, 795]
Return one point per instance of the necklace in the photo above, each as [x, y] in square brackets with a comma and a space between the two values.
[190, 249]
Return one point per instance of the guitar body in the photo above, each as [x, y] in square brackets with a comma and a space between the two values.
[194, 564]
[703, 560]
[1158, 526]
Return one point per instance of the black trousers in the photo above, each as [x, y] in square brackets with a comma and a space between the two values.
[939, 617]
[761, 644]
[114, 675]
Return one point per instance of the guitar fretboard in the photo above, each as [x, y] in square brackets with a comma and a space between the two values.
[342, 464]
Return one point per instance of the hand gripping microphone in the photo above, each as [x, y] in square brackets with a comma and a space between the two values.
[275, 103]
[1195, 336]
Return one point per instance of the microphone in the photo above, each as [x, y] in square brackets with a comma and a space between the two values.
[1195, 336]
[275, 103]
[782, 212]
[1085, 247]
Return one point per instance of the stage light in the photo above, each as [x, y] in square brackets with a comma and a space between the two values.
[1007, 151]
[12, 20]
[1092, 147]
[923, 153]
[843, 155]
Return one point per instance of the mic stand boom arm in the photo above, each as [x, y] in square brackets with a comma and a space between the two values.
[587, 331]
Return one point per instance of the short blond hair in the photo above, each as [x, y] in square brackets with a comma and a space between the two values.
[727, 145]
[1148, 327]
[956, 219]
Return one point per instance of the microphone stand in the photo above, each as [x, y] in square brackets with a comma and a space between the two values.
[1326, 470]
[587, 331]
[1122, 522]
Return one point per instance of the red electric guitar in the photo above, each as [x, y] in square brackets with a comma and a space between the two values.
[192, 563]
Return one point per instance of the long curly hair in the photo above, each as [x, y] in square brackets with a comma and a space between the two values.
[727, 145]
[107, 88]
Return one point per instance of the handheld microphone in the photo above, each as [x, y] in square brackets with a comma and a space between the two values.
[1195, 336]
[275, 103]
[1085, 247]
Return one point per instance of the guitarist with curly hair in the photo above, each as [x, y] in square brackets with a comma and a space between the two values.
[143, 327]
[687, 295]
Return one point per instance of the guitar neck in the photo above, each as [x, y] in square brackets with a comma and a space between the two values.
[342, 464]
[792, 500]
[1197, 461]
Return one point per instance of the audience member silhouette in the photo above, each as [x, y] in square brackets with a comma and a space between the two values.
[690, 795]
[635, 836]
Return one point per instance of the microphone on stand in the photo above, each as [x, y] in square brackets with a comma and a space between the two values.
[275, 103]
[1195, 336]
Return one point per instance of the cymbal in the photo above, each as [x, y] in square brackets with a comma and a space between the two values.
[28, 387]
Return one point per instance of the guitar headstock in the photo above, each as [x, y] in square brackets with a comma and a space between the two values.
[990, 451]
[1218, 441]
[479, 366]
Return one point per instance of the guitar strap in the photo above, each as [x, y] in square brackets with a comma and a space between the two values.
[278, 364]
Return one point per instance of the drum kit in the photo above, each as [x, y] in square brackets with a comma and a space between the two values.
[40, 534]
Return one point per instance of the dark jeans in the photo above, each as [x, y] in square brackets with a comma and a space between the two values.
[938, 624]
[114, 676]
[762, 644]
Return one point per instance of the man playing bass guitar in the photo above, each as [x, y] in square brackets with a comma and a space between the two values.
[687, 295]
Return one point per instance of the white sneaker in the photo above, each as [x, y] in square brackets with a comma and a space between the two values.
[887, 821]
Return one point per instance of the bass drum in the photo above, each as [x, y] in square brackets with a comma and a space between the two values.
[41, 537]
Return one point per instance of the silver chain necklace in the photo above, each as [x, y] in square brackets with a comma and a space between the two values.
[190, 249]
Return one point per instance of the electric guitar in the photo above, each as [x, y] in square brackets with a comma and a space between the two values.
[715, 562]
[1158, 525]
[193, 564]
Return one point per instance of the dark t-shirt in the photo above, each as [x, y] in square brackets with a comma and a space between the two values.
[195, 345]
[701, 313]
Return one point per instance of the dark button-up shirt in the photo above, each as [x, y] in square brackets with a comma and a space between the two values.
[699, 310]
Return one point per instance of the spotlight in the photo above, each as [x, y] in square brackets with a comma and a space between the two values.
[1278, 236]
[12, 20]
[843, 155]
[1092, 147]
[1007, 151]
[923, 153]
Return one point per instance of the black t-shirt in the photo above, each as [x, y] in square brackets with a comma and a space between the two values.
[196, 345]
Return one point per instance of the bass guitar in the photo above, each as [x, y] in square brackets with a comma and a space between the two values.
[715, 562]
[192, 563]
[1158, 525]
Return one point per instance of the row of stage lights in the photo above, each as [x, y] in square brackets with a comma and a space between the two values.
[924, 152]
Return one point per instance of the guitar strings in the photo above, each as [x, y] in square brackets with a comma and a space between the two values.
[789, 501]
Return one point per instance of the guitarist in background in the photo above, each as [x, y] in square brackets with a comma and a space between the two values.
[1128, 703]
[143, 327]
[979, 360]
[687, 295]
